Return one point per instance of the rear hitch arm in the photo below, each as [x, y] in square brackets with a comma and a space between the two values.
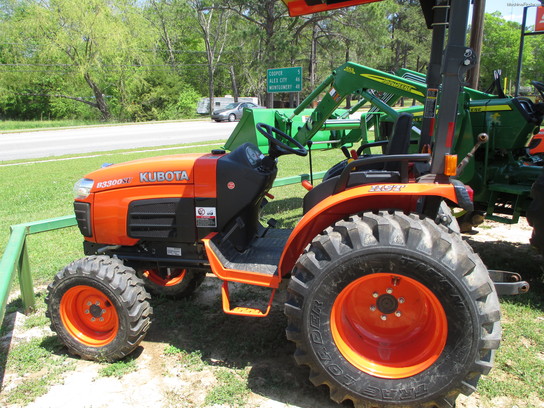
[508, 283]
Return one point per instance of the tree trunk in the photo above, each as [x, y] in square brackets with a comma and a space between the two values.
[211, 89]
[99, 97]
[234, 85]
[348, 98]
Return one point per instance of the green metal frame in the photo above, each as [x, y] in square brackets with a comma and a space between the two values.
[15, 257]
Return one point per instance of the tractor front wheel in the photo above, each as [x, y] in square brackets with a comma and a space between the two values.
[393, 310]
[99, 308]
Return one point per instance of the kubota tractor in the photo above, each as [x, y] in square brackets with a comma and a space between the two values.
[386, 304]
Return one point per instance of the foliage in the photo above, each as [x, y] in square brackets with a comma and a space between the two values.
[153, 59]
[119, 368]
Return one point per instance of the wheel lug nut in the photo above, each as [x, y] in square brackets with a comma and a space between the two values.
[86, 311]
[89, 303]
[97, 303]
[101, 319]
[383, 317]
[373, 308]
[401, 300]
[389, 290]
[103, 310]
[92, 319]
[375, 295]
[398, 313]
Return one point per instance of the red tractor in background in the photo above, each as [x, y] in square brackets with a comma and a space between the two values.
[386, 304]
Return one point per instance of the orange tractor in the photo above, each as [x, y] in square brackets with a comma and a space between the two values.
[386, 304]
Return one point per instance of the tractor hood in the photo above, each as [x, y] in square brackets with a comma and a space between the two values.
[174, 169]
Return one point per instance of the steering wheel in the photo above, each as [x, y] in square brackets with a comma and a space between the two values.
[539, 87]
[276, 147]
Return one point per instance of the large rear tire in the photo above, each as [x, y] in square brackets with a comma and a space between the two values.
[99, 308]
[535, 213]
[393, 310]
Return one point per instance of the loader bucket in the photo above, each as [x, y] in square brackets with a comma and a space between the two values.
[246, 130]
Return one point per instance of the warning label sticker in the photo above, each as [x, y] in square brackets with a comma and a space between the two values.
[206, 217]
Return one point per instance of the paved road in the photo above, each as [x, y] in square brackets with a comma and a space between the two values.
[46, 143]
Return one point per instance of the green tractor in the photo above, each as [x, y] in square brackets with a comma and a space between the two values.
[491, 134]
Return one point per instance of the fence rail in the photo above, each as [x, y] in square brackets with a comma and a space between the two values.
[15, 257]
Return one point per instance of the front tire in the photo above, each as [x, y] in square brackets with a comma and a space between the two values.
[393, 310]
[232, 117]
[99, 308]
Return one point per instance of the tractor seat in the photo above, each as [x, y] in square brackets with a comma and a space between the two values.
[357, 178]
[372, 174]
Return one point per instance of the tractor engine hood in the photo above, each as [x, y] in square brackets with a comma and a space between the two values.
[174, 169]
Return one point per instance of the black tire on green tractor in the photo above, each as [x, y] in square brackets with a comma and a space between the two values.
[173, 283]
[393, 310]
[535, 213]
[99, 308]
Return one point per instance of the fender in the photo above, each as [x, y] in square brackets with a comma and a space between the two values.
[355, 200]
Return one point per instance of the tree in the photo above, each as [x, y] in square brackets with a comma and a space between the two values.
[410, 38]
[98, 41]
[500, 48]
[214, 26]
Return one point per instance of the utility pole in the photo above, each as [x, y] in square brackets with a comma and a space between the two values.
[476, 38]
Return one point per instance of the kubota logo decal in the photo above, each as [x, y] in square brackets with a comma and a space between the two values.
[158, 176]
[393, 83]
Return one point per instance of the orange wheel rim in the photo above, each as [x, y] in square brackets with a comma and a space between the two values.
[169, 280]
[389, 326]
[89, 316]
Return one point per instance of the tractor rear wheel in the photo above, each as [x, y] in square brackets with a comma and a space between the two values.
[173, 283]
[535, 213]
[393, 310]
[99, 308]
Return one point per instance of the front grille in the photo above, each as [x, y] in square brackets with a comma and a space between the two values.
[83, 218]
[154, 218]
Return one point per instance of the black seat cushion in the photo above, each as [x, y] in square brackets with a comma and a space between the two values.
[326, 188]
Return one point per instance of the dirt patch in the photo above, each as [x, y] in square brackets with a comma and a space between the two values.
[191, 344]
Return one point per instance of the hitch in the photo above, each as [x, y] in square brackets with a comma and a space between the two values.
[508, 283]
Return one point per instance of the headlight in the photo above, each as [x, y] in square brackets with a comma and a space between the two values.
[82, 188]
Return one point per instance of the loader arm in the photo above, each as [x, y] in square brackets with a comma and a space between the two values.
[353, 79]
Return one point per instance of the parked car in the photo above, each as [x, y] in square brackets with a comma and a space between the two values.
[220, 102]
[233, 111]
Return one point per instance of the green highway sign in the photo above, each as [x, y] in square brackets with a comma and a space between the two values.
[284, 80]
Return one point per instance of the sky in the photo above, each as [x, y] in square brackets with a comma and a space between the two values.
[513, 9]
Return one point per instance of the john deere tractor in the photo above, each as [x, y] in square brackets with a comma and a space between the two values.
[386, 304]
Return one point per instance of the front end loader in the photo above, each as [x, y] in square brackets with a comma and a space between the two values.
[386, 304]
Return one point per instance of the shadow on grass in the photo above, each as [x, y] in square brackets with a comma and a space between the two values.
[6, 335]
[239, 342]
[515, 257]
[288, 209]
[198, 325]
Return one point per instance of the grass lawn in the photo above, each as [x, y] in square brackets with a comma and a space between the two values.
[39, 190]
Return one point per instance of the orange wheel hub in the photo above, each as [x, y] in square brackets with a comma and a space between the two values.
[389, 326]
[170, 279]
[89, 316]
